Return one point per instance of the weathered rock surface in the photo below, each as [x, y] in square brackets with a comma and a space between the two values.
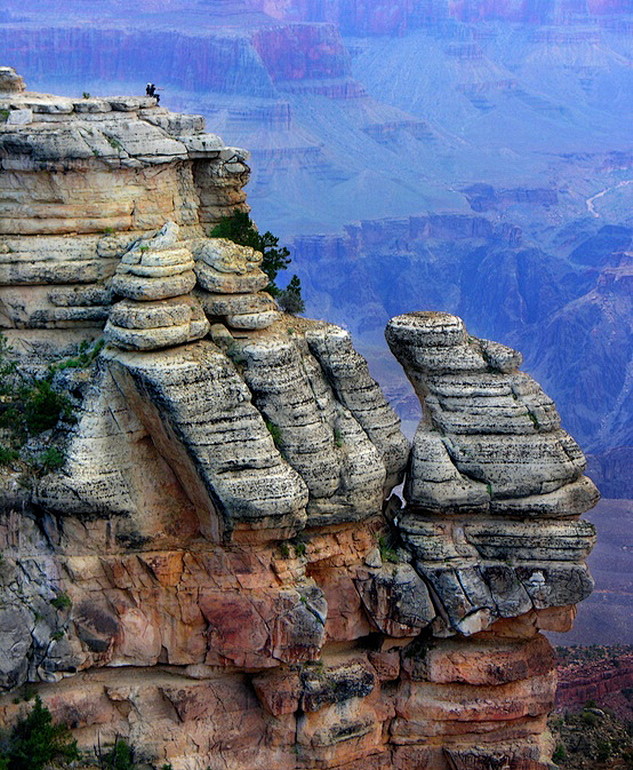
[218, 571]
[495, 485]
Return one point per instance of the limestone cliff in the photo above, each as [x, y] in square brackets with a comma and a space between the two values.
[219, 570]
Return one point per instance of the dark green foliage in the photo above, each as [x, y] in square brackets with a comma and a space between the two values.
[300, 545]
[86, 355]
[31, 405]
[62, 602]
[386, 546]
[275, 432]
[120, 757]
[290, 299]
[559, 753]
[239, 228]
[35, 742]
[50, 460]
[7, 456]
[43, 406]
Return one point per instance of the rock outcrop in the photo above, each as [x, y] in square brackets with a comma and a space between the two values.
[219, 570]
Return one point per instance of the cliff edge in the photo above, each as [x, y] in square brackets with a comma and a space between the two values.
[215, 566]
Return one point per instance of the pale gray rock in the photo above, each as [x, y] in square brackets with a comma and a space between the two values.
[539, 542]
[32, 308]
[156, 338]
[91, 106]
[156, 268]
[570, 500]
[224, 267]
[219, 445]
[150, 315]
[490, 444]
[10, 81]
[20, 117]
[130, 103]
[435, 483]
[260, 320]
[144, 290]
[16, 623]
[200, 145]
[228, 257]
[220, 282]
[556, 585]
[348, 375]
[335, 684]
[317, 435]
[176, 124]
[497, 426]
[215, 305]
[52, 260]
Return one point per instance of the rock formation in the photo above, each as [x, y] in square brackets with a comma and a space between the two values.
[220, 571]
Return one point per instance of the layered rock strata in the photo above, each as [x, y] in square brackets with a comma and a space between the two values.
[231, 285]
[156, 277]
[220, 572]
[80, 181]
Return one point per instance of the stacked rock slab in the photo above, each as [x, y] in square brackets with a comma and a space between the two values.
[156, 277]
[231, 284]
[219, 572]
[495, 485]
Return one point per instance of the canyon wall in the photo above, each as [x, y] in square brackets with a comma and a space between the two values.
[216, 567]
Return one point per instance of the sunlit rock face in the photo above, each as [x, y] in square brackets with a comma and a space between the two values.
[218, 570]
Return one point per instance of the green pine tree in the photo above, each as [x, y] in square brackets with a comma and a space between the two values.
[36, 742]
[290, 298]
[240, 228]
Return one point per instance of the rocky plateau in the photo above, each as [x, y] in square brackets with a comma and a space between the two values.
[221, 569]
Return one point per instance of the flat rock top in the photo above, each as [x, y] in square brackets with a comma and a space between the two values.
[118, 130]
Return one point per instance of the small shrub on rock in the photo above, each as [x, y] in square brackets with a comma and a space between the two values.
[241, 229]
[290, 299]
[36, 743]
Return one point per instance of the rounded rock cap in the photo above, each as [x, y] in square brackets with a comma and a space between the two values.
[10, 81]
[426, 328]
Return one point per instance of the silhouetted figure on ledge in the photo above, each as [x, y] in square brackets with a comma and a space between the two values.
[150, 90]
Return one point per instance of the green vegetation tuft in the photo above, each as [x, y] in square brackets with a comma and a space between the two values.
[35, 743]
[534, 420]
[8, 456]
[114, 143]
[275, 432]
[300, 545]
[62, 601]
[32, 405]
[241, 229]
[387, 549]
[560, 753]
[289, 299]
[120, 757]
